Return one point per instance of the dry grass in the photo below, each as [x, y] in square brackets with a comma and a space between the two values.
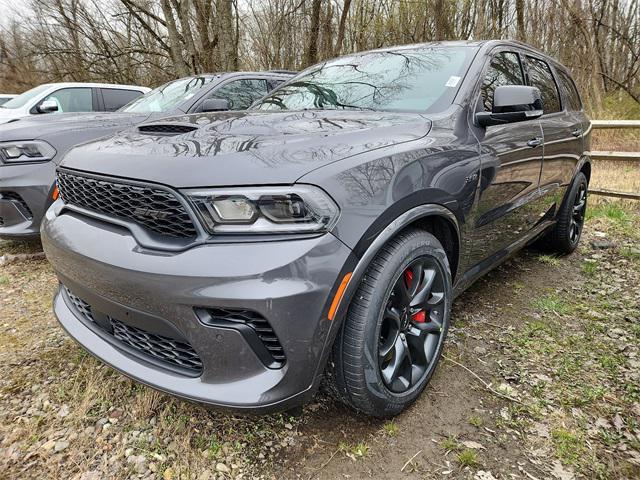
[618, 176]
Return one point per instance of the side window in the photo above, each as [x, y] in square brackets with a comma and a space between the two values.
[115, 98]
[504, 69]
[274, 83]
[570, 91]
[72, 100]
[540, 76]
[241, 93]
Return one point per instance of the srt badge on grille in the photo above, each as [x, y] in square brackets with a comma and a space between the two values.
[149, 213]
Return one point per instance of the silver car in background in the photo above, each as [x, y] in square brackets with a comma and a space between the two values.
[32, 148]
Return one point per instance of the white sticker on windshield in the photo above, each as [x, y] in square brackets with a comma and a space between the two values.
[453, 81]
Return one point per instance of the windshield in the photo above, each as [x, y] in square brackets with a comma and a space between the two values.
[168, 95]
[21, 100]
[412, 80]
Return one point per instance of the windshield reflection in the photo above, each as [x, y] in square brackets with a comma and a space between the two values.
[422, 79]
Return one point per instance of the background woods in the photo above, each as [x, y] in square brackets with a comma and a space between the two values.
[150, 41]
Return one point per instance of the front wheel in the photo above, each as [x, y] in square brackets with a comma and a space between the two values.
[395, 328]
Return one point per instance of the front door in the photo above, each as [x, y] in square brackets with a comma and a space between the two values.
[511, 157]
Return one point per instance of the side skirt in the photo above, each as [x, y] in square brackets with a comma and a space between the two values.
[480, 269]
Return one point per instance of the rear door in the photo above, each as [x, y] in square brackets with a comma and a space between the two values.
[562, 132]
[511, 157]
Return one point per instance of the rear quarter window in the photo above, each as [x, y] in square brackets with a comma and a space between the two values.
[570, 91]
[115, 98]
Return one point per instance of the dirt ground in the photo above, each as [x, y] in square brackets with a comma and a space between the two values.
[541, 379]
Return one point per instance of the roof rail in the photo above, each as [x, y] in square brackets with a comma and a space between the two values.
[283, 71]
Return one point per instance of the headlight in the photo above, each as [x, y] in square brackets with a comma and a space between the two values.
[26, 151]
[295, 209]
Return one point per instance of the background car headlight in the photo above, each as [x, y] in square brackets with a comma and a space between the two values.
[26, 151]
[290, 209]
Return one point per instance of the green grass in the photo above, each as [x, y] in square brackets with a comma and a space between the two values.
[568, 446]
[552, 303]
[358, 450]
[450, 444]
[476, 421]
[589, 268]
[468, 458]
[626, 252]
[391, 428]
[621, 220]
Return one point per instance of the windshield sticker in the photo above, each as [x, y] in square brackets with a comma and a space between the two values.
[453, 81]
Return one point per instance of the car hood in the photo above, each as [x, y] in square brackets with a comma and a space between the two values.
[39, 126]
[245, 148]
[10, 114]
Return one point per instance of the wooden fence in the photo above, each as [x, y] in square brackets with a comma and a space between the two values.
[615, 156]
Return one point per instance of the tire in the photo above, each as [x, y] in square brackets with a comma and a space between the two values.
[368, 350]
[564, 237]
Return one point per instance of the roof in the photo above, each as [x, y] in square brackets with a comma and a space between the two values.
[98, 85]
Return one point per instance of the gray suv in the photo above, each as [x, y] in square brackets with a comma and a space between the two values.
[31, 148]
[237, 259]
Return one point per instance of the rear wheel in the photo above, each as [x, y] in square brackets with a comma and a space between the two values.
[565, 235]
[395, 328]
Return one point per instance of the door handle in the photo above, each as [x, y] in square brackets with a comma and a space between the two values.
[577, 132]
[534, 142]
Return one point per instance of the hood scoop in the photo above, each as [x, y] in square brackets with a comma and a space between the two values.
[166, 129]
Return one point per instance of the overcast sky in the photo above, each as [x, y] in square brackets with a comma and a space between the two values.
[8, 8]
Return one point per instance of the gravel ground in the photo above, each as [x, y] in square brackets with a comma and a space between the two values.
[540, 380]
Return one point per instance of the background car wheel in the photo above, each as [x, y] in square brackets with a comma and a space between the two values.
[565, 235]
[395, 328]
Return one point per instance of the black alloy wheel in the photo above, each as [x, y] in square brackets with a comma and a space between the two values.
[578, 213]
[412, 325]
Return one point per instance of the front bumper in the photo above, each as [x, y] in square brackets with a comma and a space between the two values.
[25, 194]
[290, 284]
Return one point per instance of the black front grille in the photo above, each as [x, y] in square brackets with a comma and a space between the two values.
[166, 129]
[256, 321]
[81, 306]
[162, 348]
[13, 196]
[153, 208]
[172, 352]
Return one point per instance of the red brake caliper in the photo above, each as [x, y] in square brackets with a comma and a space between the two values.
[421, 316]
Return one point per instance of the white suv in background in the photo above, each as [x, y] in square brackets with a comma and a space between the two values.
[69, 97]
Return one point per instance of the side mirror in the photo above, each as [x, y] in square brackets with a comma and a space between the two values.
[48, 106]
[512, 103]
[215, 105]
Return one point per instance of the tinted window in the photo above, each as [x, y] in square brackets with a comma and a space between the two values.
[422, 79]
[540, 76]
[570, 91]
[241, 93]
[72, 100]
[275, 83]
[504, 69]
[114, 98]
